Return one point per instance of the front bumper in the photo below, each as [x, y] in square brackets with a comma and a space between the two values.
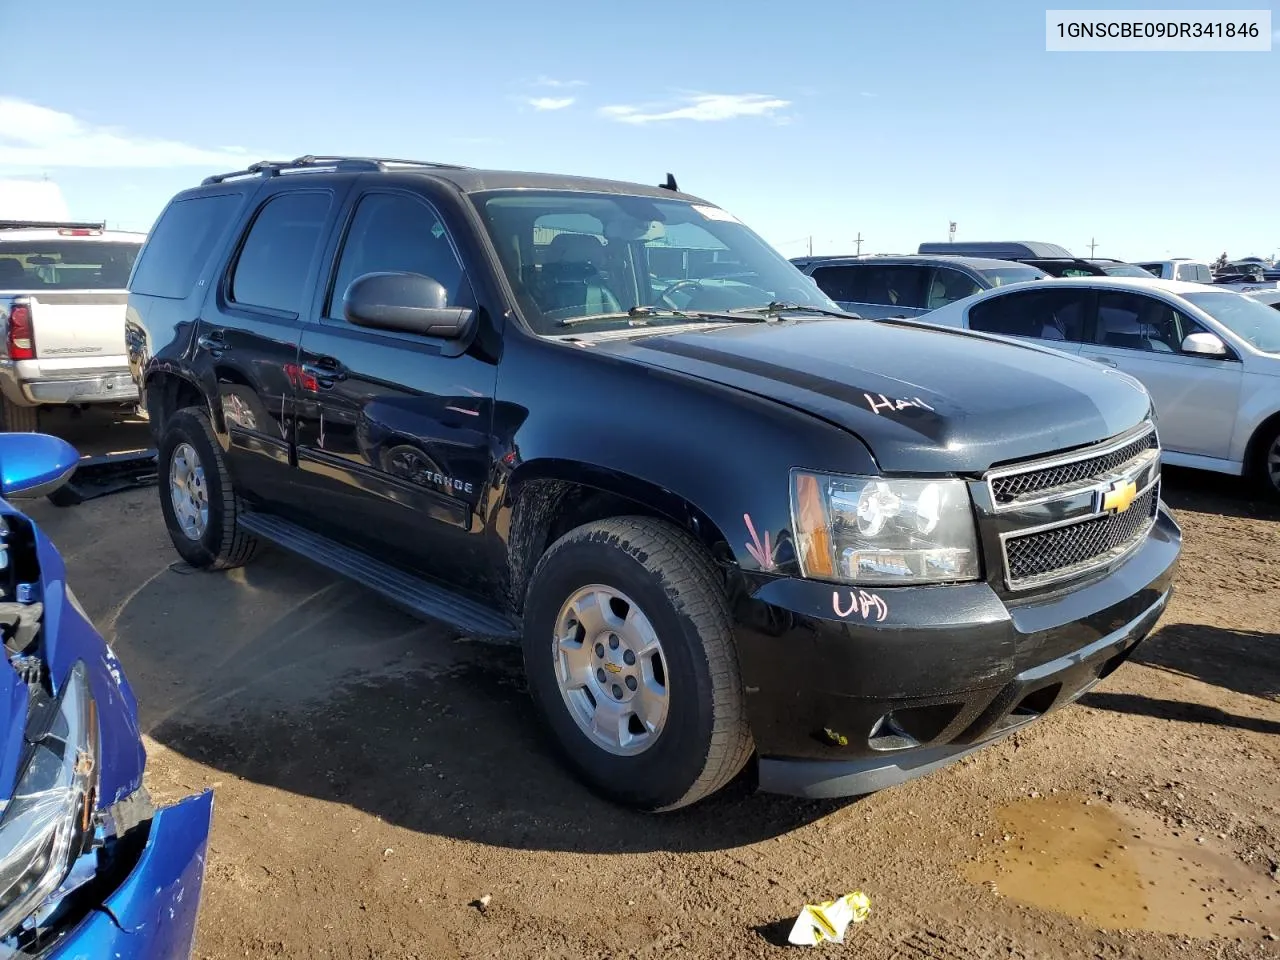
[152, 914]
[843, 703]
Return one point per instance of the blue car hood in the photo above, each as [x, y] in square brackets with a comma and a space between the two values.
[65, 637]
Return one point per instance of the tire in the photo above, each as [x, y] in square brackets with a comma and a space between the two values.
[217, 543]
[703, 741]
[1267, 465]
[17, 419]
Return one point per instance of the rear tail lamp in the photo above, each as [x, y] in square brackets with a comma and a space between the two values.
[20, 338]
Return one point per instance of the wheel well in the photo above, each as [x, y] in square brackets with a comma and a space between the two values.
[546, 510]
[1254, 451]
[167, 393]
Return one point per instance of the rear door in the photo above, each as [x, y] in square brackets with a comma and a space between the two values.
[1196, 398]
[1052, 317]
[394, 428]
[876, 290]
[247, 335]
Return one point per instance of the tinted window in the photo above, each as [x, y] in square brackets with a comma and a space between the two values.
[838, 283]
[272, 268]
[1043, 314]
[397, 234]
[1135, 322]
[180, 245]
[949, 286]
[1155, 269]
[999, 276]
[66, 265]
[890, 285]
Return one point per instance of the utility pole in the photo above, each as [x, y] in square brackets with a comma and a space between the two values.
[811, 244]
[858, 241]
[1093, 244]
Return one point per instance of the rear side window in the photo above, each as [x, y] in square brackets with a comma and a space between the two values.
[180, 245]
[271, 271]
[1041, 314]
[949, 286]
[883, 284]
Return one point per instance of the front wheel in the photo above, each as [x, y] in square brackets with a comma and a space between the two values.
[196, 497]
[630, 658]
[1268, 463]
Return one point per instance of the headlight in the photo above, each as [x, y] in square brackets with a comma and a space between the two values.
[46, 824]
[869, 530]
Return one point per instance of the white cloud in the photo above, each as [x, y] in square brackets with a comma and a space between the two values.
[36, 137]
[702, 107]
[549, 103]
[545, 81]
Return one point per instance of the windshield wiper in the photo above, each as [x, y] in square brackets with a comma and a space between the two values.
[778, 306]
[640, 316]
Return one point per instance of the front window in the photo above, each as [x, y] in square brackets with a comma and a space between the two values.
[1000, 276]
[66, 265]
[597, 261]
[1251, 321]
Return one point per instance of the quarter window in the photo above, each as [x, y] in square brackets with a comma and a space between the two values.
[271, 271]
[180, 245]
[1040, 314]
[393, 233]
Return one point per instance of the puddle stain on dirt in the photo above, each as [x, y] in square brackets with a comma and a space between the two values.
[1120, 868]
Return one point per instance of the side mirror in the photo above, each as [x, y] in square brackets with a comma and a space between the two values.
[407, 302]
[1204, 345]
[34, 464]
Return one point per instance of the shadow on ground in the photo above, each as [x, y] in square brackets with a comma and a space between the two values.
[1184, 711]
[1216, 493]
[1245, 661]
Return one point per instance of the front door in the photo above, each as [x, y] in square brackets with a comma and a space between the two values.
[1196, 398]
[393, 429]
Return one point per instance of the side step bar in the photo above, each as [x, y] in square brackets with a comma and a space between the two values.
[413, 594]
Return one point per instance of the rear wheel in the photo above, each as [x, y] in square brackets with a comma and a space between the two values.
[630, 658]
[196, 497]
[18, 419]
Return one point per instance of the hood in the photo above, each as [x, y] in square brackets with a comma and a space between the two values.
[924, 399]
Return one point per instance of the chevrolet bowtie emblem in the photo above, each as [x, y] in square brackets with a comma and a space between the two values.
[612, 667]
[1119, 496]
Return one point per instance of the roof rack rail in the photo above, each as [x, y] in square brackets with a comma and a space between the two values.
[273, 168]
[51, 225]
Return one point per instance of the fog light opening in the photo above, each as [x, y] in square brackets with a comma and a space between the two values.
[886, 735]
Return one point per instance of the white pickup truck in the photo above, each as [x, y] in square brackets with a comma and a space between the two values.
[63, 289]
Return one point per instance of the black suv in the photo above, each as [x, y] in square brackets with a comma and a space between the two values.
[609, 422]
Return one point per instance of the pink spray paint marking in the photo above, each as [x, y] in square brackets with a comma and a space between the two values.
[868, 606]
[762, 553]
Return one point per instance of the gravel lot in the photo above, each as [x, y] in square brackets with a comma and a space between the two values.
[376, 776]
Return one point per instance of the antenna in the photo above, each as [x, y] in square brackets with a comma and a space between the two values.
[670, 184]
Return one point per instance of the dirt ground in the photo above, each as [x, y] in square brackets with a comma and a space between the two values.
[376, 776]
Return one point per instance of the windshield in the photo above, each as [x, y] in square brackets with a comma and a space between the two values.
[1251, 321]
[574, 255]
[1125, 270]
[999, 276]
[66, 265]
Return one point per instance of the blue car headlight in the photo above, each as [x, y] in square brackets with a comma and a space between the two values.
[47, 823]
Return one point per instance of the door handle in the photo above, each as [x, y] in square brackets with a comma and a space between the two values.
[1097, 359]
[326, 371]
[213, 342]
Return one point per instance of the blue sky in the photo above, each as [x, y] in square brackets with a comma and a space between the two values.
[824, 119]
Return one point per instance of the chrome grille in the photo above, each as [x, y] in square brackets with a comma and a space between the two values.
[1061, 516]
[1063, 551]
[1013, 485]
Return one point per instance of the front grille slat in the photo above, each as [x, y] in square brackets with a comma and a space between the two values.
[1063, 550]
[1085, 539]
[1008, 488]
